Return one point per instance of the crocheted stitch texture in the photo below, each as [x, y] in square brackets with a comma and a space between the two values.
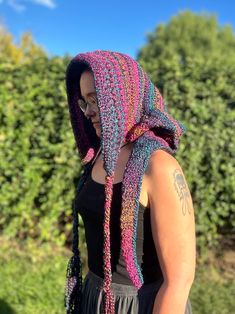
[130, 108]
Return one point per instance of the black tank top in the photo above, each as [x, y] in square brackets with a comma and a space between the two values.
[90, 205]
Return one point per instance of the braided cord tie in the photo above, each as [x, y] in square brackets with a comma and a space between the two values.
[73, 285]
[108, 294]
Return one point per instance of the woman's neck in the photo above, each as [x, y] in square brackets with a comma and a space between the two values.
[125, 143]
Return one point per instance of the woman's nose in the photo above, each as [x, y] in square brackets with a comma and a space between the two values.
[89, 112]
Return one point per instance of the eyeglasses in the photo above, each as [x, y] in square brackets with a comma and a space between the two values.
[83, 104]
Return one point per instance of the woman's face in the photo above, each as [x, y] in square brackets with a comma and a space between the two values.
[88, 94]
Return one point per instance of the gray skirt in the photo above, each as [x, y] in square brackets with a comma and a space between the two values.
[128, 300]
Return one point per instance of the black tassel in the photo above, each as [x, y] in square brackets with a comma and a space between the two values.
[73, 294]
[73, 288]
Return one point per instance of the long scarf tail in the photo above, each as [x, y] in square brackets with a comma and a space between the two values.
[109, 305]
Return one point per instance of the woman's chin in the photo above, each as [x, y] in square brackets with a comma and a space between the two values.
[98, 132]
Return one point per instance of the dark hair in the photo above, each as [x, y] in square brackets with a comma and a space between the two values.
[73, 75]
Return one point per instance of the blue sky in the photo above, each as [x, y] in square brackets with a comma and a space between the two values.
[77, 26]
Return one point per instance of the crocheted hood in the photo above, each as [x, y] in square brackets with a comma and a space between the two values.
[131, 108]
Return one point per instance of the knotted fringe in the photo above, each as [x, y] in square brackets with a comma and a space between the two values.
[73, 286]
[109, 307]
[73, 289]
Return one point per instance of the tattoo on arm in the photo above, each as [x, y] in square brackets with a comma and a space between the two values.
[182, 191]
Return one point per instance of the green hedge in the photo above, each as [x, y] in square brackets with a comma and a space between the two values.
[39, 163]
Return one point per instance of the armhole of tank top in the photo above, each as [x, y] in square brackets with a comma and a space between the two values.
[93, 161]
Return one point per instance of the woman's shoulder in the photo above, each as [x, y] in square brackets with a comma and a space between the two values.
[166, 183]
[162, 168]
[161, 162]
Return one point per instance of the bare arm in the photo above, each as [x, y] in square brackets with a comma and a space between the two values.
[173, 228]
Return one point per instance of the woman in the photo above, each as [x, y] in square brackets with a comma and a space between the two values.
[133, 197]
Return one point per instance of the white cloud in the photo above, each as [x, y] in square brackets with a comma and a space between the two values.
[47, 3]
[16, 5]
[20, 5]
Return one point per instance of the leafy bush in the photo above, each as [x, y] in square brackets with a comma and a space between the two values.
[39, 164]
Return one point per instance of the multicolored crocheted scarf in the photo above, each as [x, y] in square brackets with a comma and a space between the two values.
[131, 108]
